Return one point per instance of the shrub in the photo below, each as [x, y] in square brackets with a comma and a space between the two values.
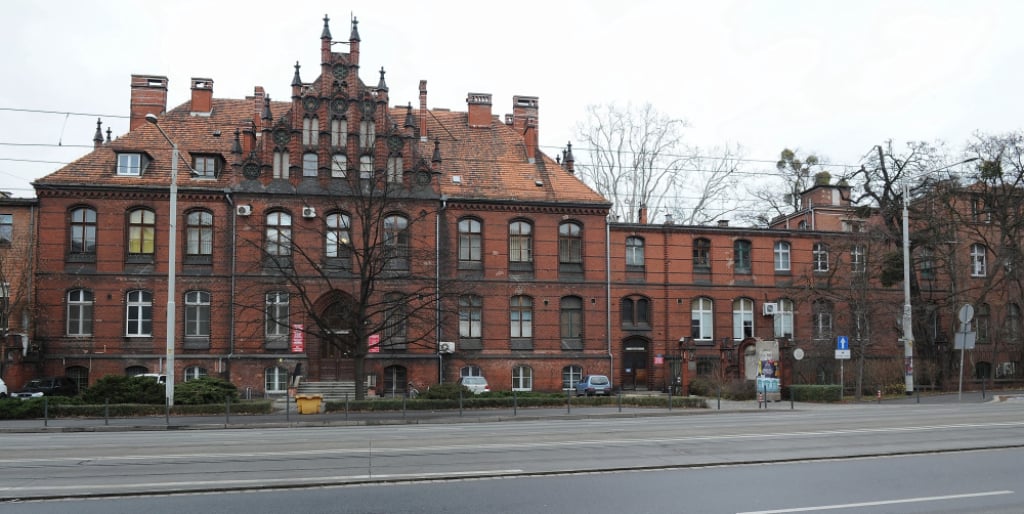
[446, 391]
[122, 389]
[815, 393]
[205, 390]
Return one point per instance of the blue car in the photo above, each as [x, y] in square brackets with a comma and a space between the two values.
[593, 385]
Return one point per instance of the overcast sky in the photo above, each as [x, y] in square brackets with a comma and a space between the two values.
[829, 77]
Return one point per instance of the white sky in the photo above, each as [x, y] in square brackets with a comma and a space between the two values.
[830, 77]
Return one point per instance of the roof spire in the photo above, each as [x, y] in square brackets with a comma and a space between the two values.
[97, 139]
[436, 159]
[382, 86]
[236, 145]
[108, 134]
[355, 30]
[266, 110]
[410, 122]
[326, 34]
[296, 80]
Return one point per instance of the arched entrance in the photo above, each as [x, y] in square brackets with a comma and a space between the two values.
[635, 356]
[334, 359]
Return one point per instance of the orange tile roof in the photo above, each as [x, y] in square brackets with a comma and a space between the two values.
[490, 163]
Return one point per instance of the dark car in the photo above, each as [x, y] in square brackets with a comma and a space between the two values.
[593, 385]
[47, 386]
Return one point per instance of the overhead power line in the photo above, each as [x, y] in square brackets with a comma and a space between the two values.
[63, 113]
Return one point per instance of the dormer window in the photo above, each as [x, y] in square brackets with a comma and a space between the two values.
[205, 166]
[130, 164]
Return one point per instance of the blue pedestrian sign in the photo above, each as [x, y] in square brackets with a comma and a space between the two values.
[842, 347]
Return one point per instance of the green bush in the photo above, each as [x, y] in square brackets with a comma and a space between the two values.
[205, 390]
[815, 393]
[122, 389]
[446, 391]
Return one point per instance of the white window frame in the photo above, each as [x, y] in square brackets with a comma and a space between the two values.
[339, 129]
[138, 314]
[783, 322]
[702, 310]
[522, 378]
[79, 313]
[310, 164]
[129, 164]
[339, 165]
[819, 254]
[742, 318]
[783, 256]
[282, 161]
[277, 313]
[979, 260]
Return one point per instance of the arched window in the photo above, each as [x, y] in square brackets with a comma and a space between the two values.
[197, 314]
[79, 317]
[571, 322]
[141, 232]
[83, 232]
[782, 256]
[281, 163]
[521, 316]
[337, 237]
[741, 256]
[139, 314]
[570, 246]
[636, 312]
[522, 378]
[396, 242]
[742, 318]
[784, 319]
[470, 371]
[701, 255]
[194, 372]
[702, 319]
[470, 317]
[470, 243]
[276, 379]
[79, 375]
[279, 236]
[310, 131]
[339, 132]
[198, 234]
[634, 254]
[979, 260]
[821, 315]
[571, 375]
[520, 244]
[819, 256]
[310, 164]
[983, 323]
[339, 165]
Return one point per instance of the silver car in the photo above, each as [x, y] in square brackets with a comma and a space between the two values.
[476, 384]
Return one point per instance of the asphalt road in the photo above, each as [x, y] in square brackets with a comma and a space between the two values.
[79, 464]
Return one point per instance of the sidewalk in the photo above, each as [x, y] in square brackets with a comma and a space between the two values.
[289, 417]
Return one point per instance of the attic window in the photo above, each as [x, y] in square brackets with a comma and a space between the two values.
[205, 166]
[456, 179]
[129, 164]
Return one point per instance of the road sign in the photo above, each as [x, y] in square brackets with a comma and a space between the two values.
[964, 340]
[843, 354]
[842, 343]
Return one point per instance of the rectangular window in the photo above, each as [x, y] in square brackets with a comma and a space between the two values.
[782, 256]
[277, 315]
[310, 163]
[819, 255]
[129, 164]
[702, 255]
[339, 128]
[281, 164]
[858, 259]
[205, 166]
[6, 228]
[139, 321]
[741, 256]
[365, 166]
[367, 134]
[339, 163]
[520, 242]
[395, 169]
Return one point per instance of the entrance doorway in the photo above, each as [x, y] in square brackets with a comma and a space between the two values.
[634, 364]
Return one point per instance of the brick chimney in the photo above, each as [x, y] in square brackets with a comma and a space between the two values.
[149, 95]
[524, 121]
[202, 96]
[479, 110]
[642, 215]
[423, 110]
[258, 95]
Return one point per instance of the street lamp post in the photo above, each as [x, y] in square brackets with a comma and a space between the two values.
[172, 251]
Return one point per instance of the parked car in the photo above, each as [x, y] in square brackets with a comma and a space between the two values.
[593, 385]
[476, 384]
[47, 386]
[3, 389]
[161, 379]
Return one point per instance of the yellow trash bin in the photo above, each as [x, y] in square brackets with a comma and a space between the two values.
[308, 403]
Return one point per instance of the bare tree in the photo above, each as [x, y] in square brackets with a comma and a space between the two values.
[779, 194]
[15, 284]
[636, 158]
[368, 269]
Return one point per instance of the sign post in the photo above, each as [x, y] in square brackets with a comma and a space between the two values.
[964, 339]
[842, 355]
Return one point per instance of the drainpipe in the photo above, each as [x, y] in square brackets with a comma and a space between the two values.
[437, 288]
[608, 299]
[234, 253]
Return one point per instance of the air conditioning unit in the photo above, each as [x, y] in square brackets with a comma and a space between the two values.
[243, 210]
[770, 308]
[446, 347]
[309, 212]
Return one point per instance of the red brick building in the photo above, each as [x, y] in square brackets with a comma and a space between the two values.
[492, 258]
[18, 217]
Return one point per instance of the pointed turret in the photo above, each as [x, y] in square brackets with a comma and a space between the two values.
[353, 43]
[381, 85]
[97, 139]
[436, 158]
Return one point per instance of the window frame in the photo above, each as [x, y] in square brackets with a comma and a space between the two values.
[199, 233]
[520, 245]
[130, 164]
[979, 260]
[282, 164]
[570, 246]
[310, 164]
[141, 233]
[783, 256]
[783, 319]
[742, 318]
[521, 317]
[858, 258]
[522, 378]
[198, 312]
[470, 242]
[635, 253]
[571, 375]
[278, 234]
[702, 319]
[821, 320]
[79, 313]
[138, 313]
[277, 315]
[82, 231]
[205, 166]
[6, 229]
[742, 251]
[819, 258]
[570, 320]
[396, 241]
[702, 255]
